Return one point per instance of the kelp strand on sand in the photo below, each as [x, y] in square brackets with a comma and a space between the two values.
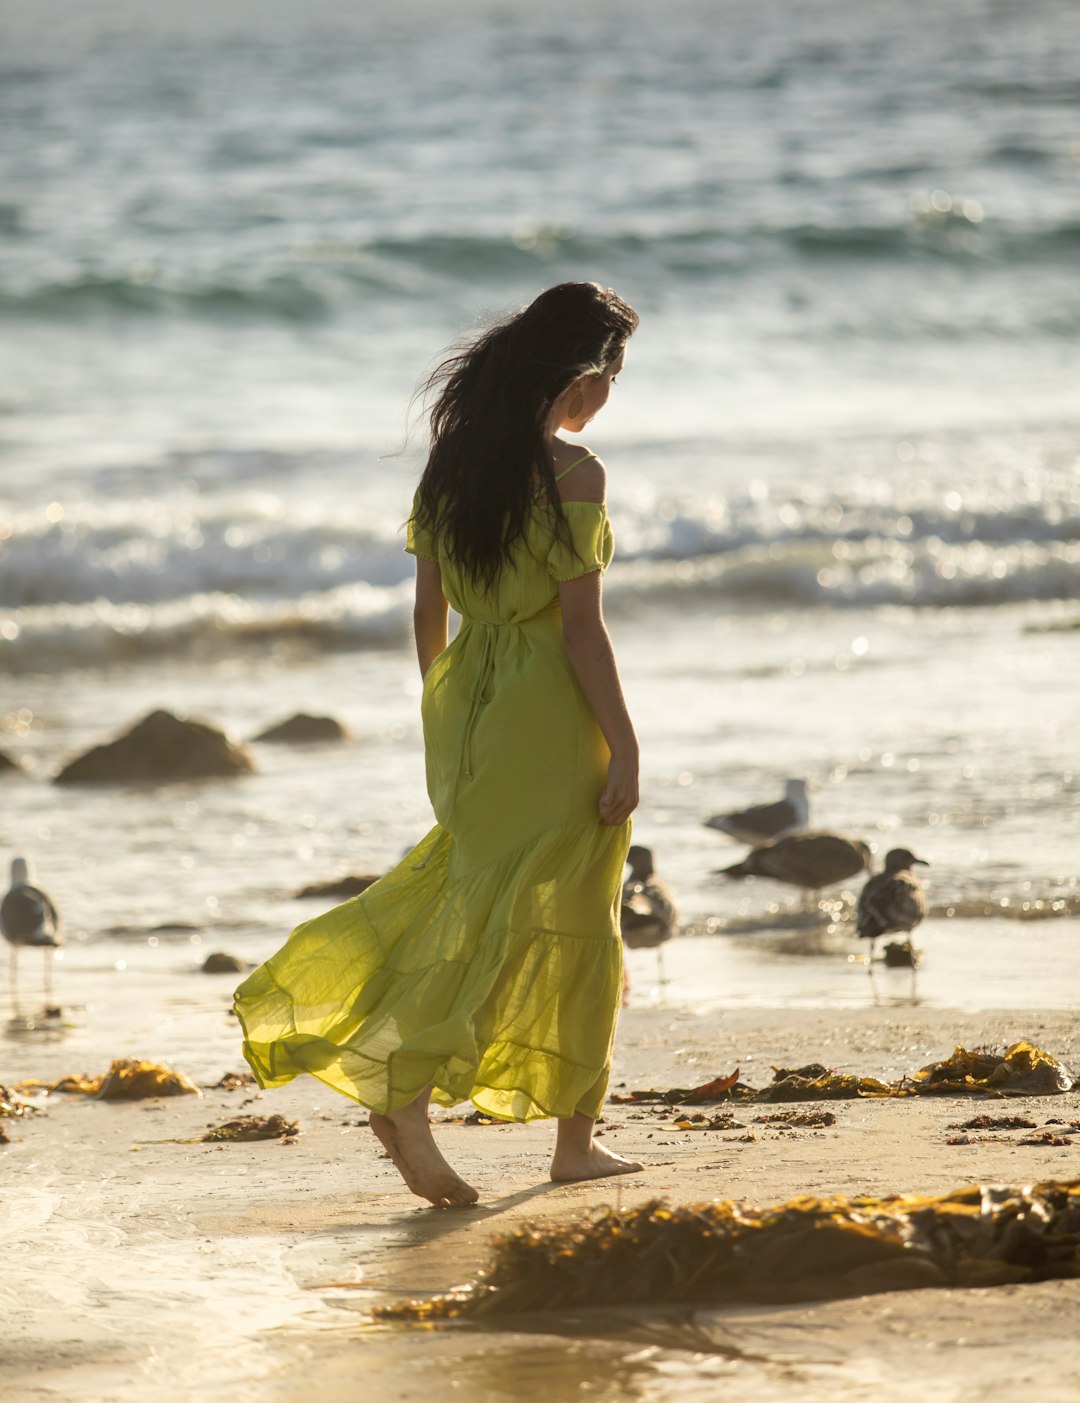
[1021, 1070]
[11, 1107]
[128, 1079]
[805, 1249]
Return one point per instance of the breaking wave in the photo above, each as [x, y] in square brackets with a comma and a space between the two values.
[142, 580]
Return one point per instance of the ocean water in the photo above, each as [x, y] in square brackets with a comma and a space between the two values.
[843, 460]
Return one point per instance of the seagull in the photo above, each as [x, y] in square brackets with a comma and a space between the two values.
[810, 860]
[893, 900]
[649, 915]
[28, 917]
[762, 822]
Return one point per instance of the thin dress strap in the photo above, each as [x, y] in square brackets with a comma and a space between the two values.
[575, 464]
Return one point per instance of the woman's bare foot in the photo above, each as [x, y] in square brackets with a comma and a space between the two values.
[406, 1137]
[593, 1162]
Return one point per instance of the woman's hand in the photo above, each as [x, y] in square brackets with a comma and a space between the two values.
[620, 796]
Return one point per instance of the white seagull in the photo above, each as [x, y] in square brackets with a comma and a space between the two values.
[762, 822]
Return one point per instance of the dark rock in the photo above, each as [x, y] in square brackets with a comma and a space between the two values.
[901, 954]
[220, 963]
[157, 750]
[303, 730]
[352, 884]
[7, 763]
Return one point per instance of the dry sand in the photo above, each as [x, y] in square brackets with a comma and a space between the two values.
[175, 1271]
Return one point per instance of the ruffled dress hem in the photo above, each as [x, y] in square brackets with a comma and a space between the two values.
[462, 990]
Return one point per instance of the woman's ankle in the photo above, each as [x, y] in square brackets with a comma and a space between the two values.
[574, 1134]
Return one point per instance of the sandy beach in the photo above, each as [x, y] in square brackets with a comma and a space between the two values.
[143, 1270]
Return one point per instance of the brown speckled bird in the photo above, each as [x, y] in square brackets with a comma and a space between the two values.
[811, 860]
[892, 901]
[649, 915]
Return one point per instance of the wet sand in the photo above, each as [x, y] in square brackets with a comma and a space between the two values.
[145, 1271]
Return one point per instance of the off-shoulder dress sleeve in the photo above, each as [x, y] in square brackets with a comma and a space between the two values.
[418, 538]
[590, 532]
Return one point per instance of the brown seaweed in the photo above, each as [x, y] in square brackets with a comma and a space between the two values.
[1047, 1135]
[813, 1071]
[984, 1121]
[1021, 1070]
[716, 1090]
[832, 1086]
[240, 1130]
[814, 1119]
[243, 1128]
[787, 1085]
[806, 1249]
[234, 1081]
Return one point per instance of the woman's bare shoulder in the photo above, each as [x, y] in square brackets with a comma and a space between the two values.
[586, 481]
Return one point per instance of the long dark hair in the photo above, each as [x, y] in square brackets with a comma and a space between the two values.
[489, 460]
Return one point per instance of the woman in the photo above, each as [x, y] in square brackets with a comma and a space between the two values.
[487, 964]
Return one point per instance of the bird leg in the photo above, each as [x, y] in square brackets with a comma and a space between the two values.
[48, 976]
[870, 957]
[15, 982]
[660, 974]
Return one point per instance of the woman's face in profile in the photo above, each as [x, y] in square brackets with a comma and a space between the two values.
[595, 391]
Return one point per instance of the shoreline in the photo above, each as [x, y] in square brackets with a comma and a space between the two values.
[149, 1271]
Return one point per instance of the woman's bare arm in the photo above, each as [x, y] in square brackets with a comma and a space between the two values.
[430, 614]
[592, 657]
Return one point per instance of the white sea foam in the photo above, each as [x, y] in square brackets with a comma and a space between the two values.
[142, 580]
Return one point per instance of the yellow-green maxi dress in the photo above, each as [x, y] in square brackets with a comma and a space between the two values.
[487, 963]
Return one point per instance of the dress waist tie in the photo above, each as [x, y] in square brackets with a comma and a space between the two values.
[484, 674]
[489, 632]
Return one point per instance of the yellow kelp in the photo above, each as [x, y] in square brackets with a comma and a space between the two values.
[128, 1079]
[11, 1106]
[1022, 1070]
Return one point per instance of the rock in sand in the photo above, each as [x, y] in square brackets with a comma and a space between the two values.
[221, 963]
[352, 884]
[302, 729]
[159, 749]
